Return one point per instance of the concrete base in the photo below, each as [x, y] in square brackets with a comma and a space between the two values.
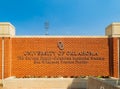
[61, 83]
[45, 83]
[102, 83]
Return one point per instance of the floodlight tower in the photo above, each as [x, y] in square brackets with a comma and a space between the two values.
[46, 27]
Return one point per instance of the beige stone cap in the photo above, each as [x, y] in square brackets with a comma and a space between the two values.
[113, 24]
[7, 23]
[113, 30]
[42, 36]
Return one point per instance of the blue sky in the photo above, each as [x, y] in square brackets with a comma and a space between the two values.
[65, 17]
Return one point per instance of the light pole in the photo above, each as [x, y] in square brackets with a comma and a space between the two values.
[46, 27]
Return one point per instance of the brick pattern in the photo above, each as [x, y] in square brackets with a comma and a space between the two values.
[110, 42]
[15, 48]
[7, 53]
[27, 67]
[115, 57]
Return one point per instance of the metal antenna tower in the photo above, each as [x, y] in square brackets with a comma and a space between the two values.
[46, 27]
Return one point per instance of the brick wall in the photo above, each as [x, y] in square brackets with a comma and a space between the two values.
[7, 56]
[115, 57]
[44, 57]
